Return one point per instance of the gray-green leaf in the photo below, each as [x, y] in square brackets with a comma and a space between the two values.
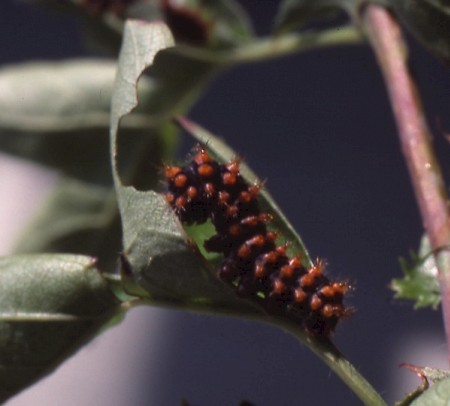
[76, 217]
[294, 14]
[58, 113]
[50, 305]
[157, 262]
[437, 395]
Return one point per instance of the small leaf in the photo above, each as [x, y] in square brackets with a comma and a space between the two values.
[419, 282]
[58, 115]
[429, 22]
[294, 14]
[50, 305]
[76, 217]
[437, 395]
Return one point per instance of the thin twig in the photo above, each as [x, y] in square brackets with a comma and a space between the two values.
[275, 47]
[390, 49]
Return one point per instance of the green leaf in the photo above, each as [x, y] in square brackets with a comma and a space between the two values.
[50, 305]
[57, 114]
[431, 374]
[429, 22]
[224, 153]
[437, 395]
[69, 131]
[419, 282]
[173, 80]
[157, 257]
[176, 79]
[426, 374]
[294, 14]
[157, 262]
[76, 217]
[76, 93]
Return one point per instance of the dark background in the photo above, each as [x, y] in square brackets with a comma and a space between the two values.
[319, 128]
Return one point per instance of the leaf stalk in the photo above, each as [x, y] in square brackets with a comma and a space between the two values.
[277, 46]
[336, 361]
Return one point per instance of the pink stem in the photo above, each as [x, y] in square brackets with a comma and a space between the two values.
[388, 44]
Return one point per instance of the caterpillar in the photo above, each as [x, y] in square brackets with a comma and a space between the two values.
[252, 263]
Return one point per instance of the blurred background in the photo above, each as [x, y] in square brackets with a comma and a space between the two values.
[318, 127]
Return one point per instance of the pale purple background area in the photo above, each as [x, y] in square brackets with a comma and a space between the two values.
[319, 128]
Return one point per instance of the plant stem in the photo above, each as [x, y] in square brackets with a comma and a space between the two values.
[415, 138]
[339, 364]
[293, 43]
[274, 47]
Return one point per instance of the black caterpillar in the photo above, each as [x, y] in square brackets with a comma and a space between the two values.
[253, 264]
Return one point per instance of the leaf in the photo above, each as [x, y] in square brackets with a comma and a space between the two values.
[232, 25]
[224, 153]
[175, 77]
[82, 217]
[294, 14]
[76, 217]
[50, 305]
[419, 282]
[429, 22]
[167, 89]
[160, 260]
[70, 132]
[426, 374]
[437, 395]
[430, 374]
[58, 114]
[157, 263]
[76, 93]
